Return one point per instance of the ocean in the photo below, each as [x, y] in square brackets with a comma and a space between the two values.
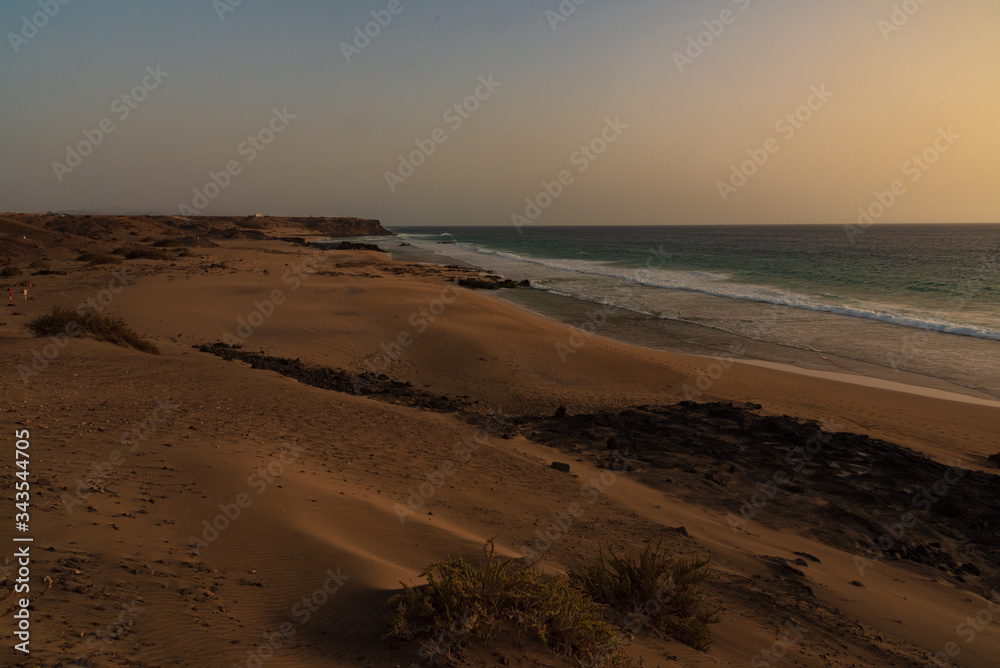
[914, 303]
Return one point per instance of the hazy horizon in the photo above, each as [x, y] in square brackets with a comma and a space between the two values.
[823, 110]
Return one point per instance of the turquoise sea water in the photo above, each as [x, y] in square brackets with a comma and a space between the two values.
[940, 277]
[920, 301]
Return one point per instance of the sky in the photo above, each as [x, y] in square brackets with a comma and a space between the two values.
[569, 112]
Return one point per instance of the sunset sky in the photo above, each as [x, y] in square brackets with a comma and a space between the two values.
[677, 117]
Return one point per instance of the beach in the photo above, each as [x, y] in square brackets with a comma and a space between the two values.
[190, 509]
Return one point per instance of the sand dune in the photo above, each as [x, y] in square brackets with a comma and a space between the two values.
[320, 542]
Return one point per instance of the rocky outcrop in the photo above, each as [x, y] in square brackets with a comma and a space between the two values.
[343, 227]
[492, 283]
[25, 236]
[347, 245]
[849, 490]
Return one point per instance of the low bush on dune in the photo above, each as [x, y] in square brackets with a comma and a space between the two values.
[462, 600]
[63, 321]
[146, 254]
[652, 591]
[139, 253]
[185, 242]
[585, 618]
[98, 258]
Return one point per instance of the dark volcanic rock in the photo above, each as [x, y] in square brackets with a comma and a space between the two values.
[492, 283]
[235, 234]
[192, 242]
[348, 245]
[344, 227]
[366, 384]
[848, 490]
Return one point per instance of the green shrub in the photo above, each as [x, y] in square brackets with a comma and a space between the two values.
[653, 590]
[481, 599]
[63, 321]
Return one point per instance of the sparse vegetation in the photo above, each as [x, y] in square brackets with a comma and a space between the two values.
[7, 272]
[140, 253]
[94, 259]
[146, 254]
[63, 321]
[653, 590]
[480, 599]
[186, 242]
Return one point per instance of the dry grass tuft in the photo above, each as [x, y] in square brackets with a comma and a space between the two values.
[63, 321]
[94, 259]
[654, 591]
[479, 599]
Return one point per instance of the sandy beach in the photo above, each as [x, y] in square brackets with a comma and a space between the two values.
[193, 510]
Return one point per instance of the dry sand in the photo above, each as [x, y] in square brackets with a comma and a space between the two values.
[318, 544]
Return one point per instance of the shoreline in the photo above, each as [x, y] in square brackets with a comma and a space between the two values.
[865, 373]
[679, 336]
[872, 381]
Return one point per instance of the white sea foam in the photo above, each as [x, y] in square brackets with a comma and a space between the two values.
[548, 273]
